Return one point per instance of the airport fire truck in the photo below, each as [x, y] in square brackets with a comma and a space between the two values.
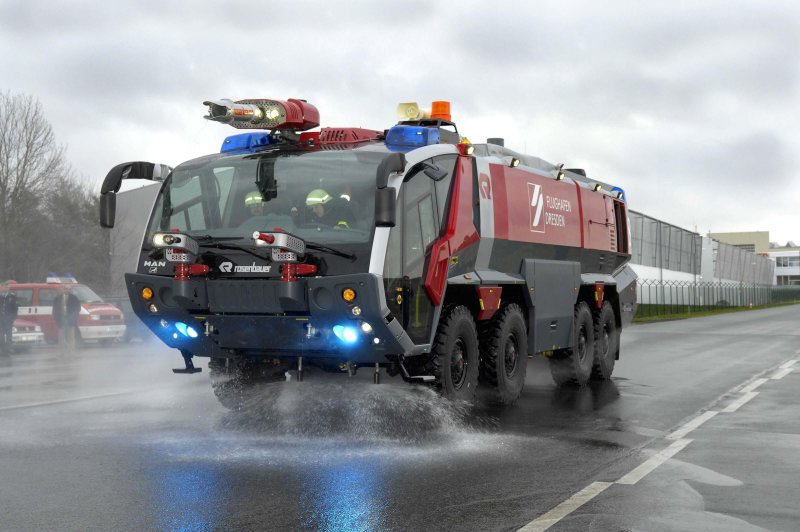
[410, 251]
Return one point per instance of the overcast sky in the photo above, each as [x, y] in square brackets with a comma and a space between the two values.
[691, 107]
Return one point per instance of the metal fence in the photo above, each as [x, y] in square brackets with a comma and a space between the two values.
[663, 298]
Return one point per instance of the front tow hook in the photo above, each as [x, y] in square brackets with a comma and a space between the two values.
[189, 369]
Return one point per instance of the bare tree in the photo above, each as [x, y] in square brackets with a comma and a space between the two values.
[31, 164]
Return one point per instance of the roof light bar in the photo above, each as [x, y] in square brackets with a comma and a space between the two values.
[412, 136]
[293, 114]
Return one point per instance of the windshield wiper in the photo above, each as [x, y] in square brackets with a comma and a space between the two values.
[218, 242]
[327, 249]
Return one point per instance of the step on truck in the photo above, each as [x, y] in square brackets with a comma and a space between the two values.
[410, 249]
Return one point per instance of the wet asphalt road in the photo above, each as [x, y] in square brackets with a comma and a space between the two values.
[698, 430]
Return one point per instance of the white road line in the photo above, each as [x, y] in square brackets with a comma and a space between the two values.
[545, 521]
[62, 401]
[640, 472]
[753, 385]
[788, 364]
[691, 425]
[781, 373]
[734, 406]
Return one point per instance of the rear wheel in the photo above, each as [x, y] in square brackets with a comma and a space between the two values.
[504, 348]
[574, 365]
[606, 343]
[455, 355]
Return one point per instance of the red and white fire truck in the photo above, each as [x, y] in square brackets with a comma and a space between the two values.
[410, 249]
[98, 321]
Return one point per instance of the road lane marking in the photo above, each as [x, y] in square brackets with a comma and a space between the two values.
[734, 406]
[781, 373]
[556, 514]
[753, 385]
[62, 401]
[545, 521]
[691, 425]
[647, 467]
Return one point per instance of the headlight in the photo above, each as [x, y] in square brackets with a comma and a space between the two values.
[94, 317]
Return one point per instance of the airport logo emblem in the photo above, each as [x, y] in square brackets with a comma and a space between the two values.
[536, 201]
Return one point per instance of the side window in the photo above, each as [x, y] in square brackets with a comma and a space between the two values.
[394, 254]
[448, 164]
[24, 297]
[414, 247]
[46, 297]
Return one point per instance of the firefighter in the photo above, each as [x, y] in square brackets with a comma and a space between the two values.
[8, 313]
[66, 308]
[255, 202]
[327, 210]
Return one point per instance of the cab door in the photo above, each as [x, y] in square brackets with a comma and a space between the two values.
[420, 208]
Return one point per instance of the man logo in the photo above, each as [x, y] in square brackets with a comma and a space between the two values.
[226, 267]
[537, 204]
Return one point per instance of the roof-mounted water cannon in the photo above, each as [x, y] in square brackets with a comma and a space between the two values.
[292, 114]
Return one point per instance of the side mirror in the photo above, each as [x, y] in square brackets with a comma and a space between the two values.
[385, 207]
[395, 162]
[113, 181]
[434, 172]
[108, 209]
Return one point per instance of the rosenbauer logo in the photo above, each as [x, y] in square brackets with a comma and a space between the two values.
[536, 201]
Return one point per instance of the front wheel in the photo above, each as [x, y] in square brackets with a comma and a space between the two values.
[574, 365]
[455, 355]
[233, 378]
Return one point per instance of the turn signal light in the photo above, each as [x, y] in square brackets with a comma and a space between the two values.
[348, 294]
[147, 293]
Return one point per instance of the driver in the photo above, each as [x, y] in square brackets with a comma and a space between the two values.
[327, 210]
[255, 202]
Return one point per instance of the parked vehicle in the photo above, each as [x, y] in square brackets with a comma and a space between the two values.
[98, 321]
[25, 334]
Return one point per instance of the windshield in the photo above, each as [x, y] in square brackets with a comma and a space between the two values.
[324, 197]
[85, 294]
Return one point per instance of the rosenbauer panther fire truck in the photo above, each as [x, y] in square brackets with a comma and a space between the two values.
[409, 249]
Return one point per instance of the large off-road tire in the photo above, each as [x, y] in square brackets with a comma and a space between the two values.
[233, 380]
[574, 365]
[606, 342]
[455, 356]
[504, 353]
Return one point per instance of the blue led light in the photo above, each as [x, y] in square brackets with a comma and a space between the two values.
[412, 136]
[617, 190]
[245, 142]
[190, 332]
[181, 327]
[346, 333]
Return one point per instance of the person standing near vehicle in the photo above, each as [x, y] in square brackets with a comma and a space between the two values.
[8, 313]
[66, 308]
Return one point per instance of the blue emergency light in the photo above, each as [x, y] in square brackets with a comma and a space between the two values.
[619, 193]
[411, 136]
[245, 142]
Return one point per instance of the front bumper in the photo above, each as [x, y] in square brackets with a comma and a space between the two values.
[264, 317]
[27, 338]
[102, 332]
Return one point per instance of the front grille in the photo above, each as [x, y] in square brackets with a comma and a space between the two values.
[244, 297]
